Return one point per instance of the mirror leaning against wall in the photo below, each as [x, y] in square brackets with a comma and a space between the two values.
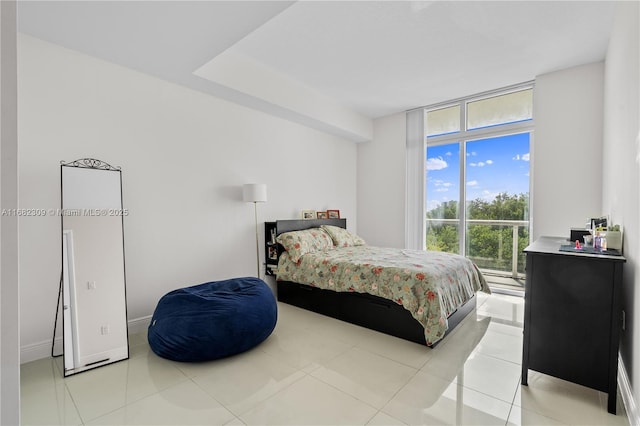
[93, 273]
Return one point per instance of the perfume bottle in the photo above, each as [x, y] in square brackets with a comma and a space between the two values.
[597, 242]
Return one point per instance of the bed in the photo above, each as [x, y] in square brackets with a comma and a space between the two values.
[415, 295]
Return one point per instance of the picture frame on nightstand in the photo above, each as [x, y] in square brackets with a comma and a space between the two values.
[273, 252]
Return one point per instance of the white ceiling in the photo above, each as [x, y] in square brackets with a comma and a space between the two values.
[376, 58]
[383, 57]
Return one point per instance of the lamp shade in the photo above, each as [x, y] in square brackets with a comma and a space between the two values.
[254, 192]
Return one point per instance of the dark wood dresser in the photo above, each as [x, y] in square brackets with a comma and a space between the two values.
[572, 316]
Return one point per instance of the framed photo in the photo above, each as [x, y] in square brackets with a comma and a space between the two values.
[333, 214]
[273, 252]
[321, 215]
[308, 214]
[598, 222]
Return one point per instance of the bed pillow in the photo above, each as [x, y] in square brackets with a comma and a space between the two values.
[299, 243]
[343, 238]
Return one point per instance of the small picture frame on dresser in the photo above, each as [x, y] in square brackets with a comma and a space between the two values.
[333, 214]
[321, 215]
[308, 214]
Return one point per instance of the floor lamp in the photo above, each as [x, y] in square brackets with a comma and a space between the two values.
[255, 193]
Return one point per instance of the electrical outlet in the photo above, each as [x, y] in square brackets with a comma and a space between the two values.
[104, 330]
[91, 285]
[624, 320]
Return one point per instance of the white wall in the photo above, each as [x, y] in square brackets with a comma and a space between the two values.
[567, 149]
[9, 288]
[621, 171]
[184, 156]
[381, 183]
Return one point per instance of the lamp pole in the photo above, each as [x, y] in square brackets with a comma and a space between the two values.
[255, 209]
[255, 193]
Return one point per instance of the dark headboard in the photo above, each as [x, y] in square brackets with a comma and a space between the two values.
[300, 224]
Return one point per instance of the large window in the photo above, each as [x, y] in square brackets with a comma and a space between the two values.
[477, 178]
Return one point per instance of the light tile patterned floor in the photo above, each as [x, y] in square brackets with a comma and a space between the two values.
[317, 370]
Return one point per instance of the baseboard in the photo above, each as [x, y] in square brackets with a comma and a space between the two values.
[39, 350]
[139, 325]
[36, 351]
[624, 384]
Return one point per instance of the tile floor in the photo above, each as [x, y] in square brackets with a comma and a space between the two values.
[317, 370]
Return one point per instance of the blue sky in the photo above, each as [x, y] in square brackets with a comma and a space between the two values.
[494, 165]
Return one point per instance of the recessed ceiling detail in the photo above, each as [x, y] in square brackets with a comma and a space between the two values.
[331, 65]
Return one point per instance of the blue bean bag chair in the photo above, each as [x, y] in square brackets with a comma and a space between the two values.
[213, 320]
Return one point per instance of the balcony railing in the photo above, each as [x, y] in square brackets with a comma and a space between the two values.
[484, 263]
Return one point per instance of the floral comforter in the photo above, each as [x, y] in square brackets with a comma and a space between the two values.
[430, 285]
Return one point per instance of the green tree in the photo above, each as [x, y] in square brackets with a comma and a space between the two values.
[490, 246]
[443, 236]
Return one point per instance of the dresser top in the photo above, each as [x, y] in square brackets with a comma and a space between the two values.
[551, 245]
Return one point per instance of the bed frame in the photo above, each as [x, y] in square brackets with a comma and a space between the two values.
[362, 309]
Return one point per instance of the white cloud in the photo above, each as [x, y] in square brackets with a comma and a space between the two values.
[449, 154]
[472, 182]
[481, 163]
[442, 186]
[489, 195]
[486, 195]
[525, 157]
[433, 204]
[436, 163]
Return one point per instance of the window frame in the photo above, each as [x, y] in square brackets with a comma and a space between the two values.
[462, 137]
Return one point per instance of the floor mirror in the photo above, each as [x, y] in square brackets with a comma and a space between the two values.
[93, 271]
